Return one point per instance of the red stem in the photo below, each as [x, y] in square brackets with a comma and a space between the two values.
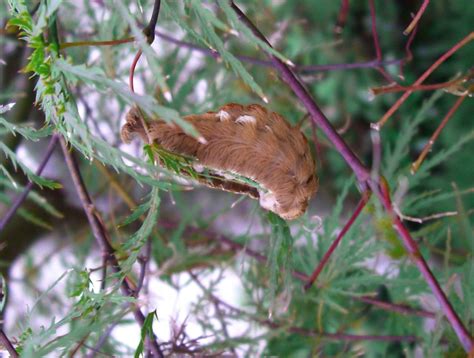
[427, 148]
[375, 36]
[382, 192]
[417, 17]
[360, 206]
[363, 175]
[420, 80]
[132, 70]
[342, 16]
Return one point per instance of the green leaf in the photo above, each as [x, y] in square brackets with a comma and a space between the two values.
[146, 331]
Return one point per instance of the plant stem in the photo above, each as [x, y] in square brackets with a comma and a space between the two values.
[101, 235]
[417, 17]
[342, 16]
[379, 186]
[382, 192]
[21, 198]
[8, 345]
[360, 206]
[416, 165]
[421, 79]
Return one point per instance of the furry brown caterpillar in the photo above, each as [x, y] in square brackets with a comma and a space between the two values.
[246, 140]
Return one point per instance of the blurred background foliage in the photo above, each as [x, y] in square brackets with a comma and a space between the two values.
[206, 232]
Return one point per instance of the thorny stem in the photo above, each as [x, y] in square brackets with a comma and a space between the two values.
[379, 187]
[420, 80]
[8, 345]
[417, 17]
[101, 235]
[20, 199]
[416, 165]
[360, 206]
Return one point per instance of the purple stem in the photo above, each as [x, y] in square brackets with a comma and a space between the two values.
[377, 186]
[8, 345]
[21, 198]
[266, 63]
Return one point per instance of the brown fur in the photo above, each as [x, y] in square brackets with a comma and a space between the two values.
[269, 151]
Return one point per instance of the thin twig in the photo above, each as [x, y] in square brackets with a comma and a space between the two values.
[20, 199]
[434, 86]
[342, 17]
[143, 259]
[304, 331]
[101, 235]
[399, 308]
[417, 17]
[360, 206]
[299, 68]
[306, 69]
[215, 301]
[7, 344]
[421, 79]
[416, 165]
[375, 37]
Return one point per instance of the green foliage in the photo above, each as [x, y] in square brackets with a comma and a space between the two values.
[82, 90]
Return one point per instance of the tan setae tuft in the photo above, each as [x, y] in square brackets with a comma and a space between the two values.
[250, 141]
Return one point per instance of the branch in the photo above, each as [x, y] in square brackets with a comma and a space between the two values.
[360, 206]
[399, 308]
[421, 79]
[342, 17]
[149, 31]
[417, 17]
[382, 192]
[8, 345]
[21, 198]
[416, 165]
[375, 36]
[379, 186]
[304, 331]
[306, 69]
[101, 235]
